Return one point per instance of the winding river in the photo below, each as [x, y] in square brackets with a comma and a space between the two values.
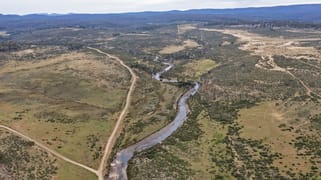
[119, 165]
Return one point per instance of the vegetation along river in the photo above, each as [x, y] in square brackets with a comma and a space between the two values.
[119, 165]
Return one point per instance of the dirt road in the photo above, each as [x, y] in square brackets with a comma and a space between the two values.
[112, 139]
[49, 150]
[274, 67]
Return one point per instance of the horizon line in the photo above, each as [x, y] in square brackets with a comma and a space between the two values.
[152, 11]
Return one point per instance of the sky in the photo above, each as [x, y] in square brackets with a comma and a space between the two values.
[116, 6]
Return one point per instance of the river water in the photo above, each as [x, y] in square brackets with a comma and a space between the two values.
[120, 163]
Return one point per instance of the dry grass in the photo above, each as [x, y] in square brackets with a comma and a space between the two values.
[17, 153]
[177, 48]
[199, 153]
[14, 66]
[150, 111]
[78, 94]
[172, 49]
[262, 123]
[67, 171]
[191, 44]
[183, 28]
[197, 68]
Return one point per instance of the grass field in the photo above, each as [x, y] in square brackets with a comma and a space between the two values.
[256, 116]
[205, 154]
[196, 151]
[197, 68]
[177, 48]
[255, 123]
[67, 171]
[279, 128]
[153, 106]
[70, 102]
[16, 155]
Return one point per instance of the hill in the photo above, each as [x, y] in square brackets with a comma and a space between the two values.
[302, 14]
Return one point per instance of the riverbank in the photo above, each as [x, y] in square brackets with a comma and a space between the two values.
[120, 163]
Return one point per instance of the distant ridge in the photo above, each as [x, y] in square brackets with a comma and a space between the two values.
[309, 13]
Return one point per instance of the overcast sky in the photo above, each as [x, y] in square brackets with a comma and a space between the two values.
[113, 6]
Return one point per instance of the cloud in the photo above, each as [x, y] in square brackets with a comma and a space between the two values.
[112, 6]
